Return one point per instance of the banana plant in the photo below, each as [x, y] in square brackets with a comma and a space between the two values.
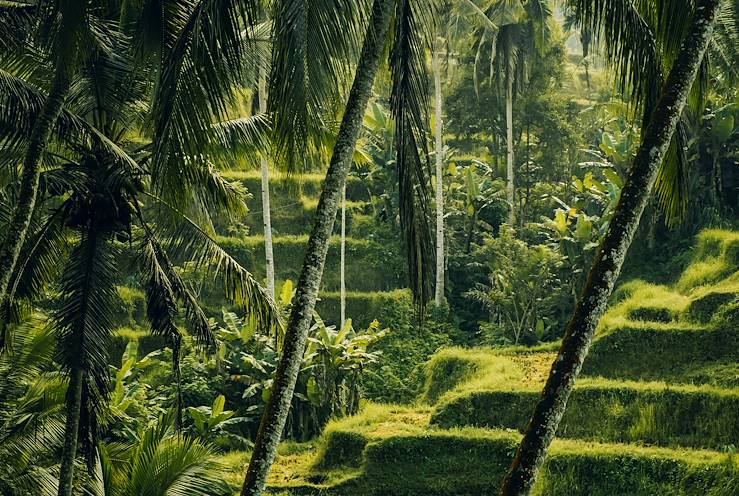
[211, 424]
[339, 357]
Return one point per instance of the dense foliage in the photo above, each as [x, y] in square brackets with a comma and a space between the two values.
[166, 164]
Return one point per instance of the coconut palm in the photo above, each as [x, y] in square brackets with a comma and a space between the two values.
[95, 189]
[693, 41]
[410, 39]
[55, 33]
[516, 34]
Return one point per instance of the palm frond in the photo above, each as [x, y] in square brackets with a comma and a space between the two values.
[84, 322]
[188, 241]
[411, 40]
[202, 67]
[21, 102]
[165, 464]
[315, 43]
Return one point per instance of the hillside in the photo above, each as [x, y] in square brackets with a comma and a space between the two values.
[656, 411]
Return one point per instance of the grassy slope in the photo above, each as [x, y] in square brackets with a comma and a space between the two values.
[662, 371]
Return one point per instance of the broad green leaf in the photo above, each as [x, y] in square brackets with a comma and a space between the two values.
[314, 392]
[613, 177]
[286, 294]
[723, 128]
[218, 405]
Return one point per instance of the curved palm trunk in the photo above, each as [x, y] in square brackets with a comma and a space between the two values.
[266, 214]
[18, 228]
[634, 197]
[439, 292]
[71, 429]
[342, 268]
[509, 144]
[278, 406]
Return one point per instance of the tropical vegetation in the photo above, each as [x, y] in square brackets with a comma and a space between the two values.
[371, 247]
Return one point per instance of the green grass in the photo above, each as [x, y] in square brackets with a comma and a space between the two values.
[285, 189]
[364, 257]
[362, 307]
[389, 455]
[716, 256]
[609, 411]
[639, 301]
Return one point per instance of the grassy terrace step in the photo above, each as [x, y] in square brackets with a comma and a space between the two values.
[653, 351]
[285, 190]
[499, 390]
[390, 451]
[610, 411]
[363, 307]
[364, 257]
[297, 216]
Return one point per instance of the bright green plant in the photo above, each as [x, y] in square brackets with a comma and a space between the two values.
[337, 359]
[523, 284]
[211, 424]
[162, 463]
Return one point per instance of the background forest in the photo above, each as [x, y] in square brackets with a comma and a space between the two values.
[362, 228]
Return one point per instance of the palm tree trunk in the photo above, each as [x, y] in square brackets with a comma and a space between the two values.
[509, 145]
[40, 135]
[634, 197]
[278, 406]
[342, 267]
[439, 294]
[266, 214]
[74, 405]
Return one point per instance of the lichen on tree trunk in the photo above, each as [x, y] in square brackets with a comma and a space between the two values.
[71, 429]
[634, 197]
[15, 236]
[278, 405]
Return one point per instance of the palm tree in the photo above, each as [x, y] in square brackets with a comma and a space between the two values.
[26, 25]
[408, 99]
[95, 189]
[656, 141]
[264, 170]
[163, 462]
[518, 34]
[439, 189]
[342, 261]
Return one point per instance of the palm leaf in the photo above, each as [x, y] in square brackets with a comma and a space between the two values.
[315, 42]
[84, 323]
[411, 39]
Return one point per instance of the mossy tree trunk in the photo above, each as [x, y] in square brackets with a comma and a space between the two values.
[278, 406]
[71, 430]
[15, 236]
[592, 303]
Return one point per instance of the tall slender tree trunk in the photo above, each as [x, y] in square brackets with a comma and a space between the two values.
[266, 214]
[40, 135]
[278, 406]
[509, 144]
[634, 197]
[342, 262]
[439, 294]
[71, 430]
